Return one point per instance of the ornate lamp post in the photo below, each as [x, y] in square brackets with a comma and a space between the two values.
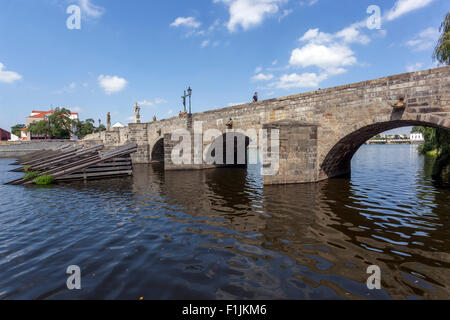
[99, 129]
[189, 95]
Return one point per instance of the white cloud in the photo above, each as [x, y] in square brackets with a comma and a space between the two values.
[285, 13]
[160, 101]
[323, 56]
[262, 77]
[308, 3]
[76, 109]
[314, 35]
[424, 40]
[67, 89]
[258, 69]
[402, 7]
[352, 34]
[249, 13]
[90, 9]
[8, 76]
[305, 80]
[153, 103]
[205, 43]
[347, 35]
[188, 22]
[112, 84]
[170, 112]
[329, 52]
[414, 67]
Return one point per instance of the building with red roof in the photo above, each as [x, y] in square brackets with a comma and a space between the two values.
[37, 116]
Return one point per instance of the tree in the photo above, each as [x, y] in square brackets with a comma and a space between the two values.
[85, 127]
[442, 51]
[16, 130]
[57, 126]
[439, 139]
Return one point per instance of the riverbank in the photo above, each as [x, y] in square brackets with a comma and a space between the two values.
[15, 149]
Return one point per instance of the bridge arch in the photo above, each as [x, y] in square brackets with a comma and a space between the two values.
[337, 161]
[157, 152]
[234, 148]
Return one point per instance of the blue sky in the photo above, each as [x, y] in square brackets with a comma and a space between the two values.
[150, 51]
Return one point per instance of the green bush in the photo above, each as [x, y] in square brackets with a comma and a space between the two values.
[44, 180]
[26, 168]
[31, 175]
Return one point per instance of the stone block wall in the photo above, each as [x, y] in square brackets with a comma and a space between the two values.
[338, 121]
[297, 153]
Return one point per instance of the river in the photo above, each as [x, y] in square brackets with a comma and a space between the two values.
[219, 234]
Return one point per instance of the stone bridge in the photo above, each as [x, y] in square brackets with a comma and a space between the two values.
[319, 132]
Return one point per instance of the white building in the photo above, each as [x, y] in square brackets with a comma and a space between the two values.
[118, 125]
[417, 137]
[14, 138]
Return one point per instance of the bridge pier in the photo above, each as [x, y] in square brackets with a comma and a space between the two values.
[297, 155]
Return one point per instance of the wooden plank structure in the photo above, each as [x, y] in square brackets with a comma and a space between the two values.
[74, 163]
[42, 153]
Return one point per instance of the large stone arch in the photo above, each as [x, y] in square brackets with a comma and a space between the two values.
[337, 160]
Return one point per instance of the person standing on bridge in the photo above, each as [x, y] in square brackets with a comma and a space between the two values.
[255, 97]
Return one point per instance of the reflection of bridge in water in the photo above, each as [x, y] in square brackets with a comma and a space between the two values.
[298, 239]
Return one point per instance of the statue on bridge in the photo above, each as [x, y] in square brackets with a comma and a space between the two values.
[108, 121]
[137, 115]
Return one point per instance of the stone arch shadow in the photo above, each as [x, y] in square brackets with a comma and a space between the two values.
[234, 154]
[157, 151]
[337, 162]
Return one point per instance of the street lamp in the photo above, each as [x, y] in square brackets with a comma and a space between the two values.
[190, 94]
[99, 129]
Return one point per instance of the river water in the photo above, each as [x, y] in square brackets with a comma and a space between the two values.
[219, 234]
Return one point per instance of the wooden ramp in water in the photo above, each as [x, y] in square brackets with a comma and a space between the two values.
[42, 154]
[80, 164]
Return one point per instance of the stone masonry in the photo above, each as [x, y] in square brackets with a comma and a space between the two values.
[319, 131]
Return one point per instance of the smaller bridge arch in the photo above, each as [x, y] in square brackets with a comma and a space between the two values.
[157, 152]
[233, 146]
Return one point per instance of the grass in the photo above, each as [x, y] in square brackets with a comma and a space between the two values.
[44, 180]
[31, 175]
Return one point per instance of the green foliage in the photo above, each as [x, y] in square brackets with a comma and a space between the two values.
[16, 129]
[443, 158]
[31, 175]
[437, 143]
[26, 168]
[57, 126]
[101, 128]
[442, 51]
[429, 135]
[44, 180]
[85, 127]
